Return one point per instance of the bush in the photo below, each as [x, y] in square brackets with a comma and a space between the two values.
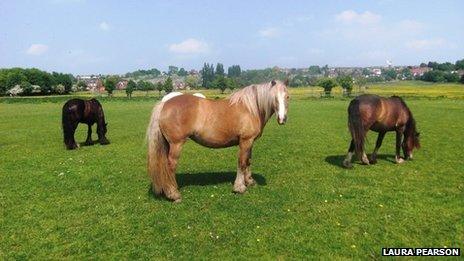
[346, 82]
[16, 90]
[60, 89]
[327, 84]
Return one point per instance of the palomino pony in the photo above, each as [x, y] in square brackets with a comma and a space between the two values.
[371, 112]
[238, 120]
[77, 111]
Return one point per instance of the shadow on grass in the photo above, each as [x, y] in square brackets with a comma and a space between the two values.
[208, 179]
[337, 160]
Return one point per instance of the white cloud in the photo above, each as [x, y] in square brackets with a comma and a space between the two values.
[37, 49]
[411, 26]
[315, 51]
[269, 32]
[104, 26]
[350, 16]
[189, 46]
[427, 44]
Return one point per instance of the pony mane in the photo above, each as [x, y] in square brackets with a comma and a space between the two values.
[257, 98]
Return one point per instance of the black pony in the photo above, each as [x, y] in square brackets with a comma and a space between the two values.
[77, 111]
[379, 114]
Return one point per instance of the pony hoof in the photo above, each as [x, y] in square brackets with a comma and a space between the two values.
[347, 164]
[88, 143]
[240, 189]
[73, 147]
[104, 142]
[174, 196]
[373, 161]
[250, 182]
[399, 160]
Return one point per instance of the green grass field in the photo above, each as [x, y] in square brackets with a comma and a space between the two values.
[94, 202]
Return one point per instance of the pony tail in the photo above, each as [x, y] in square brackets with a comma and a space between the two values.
[356, 127]
[163, 181]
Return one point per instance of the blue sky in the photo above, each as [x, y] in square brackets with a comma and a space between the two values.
[83, 36]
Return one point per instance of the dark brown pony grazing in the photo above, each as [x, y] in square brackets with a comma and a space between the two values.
[371, 112]
[77, 111]
[238, 120]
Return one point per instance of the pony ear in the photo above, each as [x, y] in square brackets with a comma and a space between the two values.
[286, 82]
[273, 82]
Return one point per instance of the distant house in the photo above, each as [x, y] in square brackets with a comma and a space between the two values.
[419, 71]
[179, 85]
[376, 72]
[121, 85]
[93, 82]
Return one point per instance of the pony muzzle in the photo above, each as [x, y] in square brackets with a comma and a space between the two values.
[282, 120]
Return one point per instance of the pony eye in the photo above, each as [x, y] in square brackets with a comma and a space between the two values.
[288, 97]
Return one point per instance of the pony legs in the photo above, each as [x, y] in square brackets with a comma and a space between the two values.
[399, 136]
[347, 161]
[378, 143]
[351, 151]
[88, 141]
[69, 140]
[173, 157]
[243, 170]
[249, 181]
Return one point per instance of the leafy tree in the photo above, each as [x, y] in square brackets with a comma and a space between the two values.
[433, 76]
[366, 71]
[446, 66]
[3, 86]
[327, 84]
[182, 72]
[422, 65]
[207, 75]
[172, 70]
[459, 65]
[390, 74]
[110, 84]
[168, 86]
[192, 81]
[234, 71]
[81, 85]
[131, 86]
[433, 65]
[15, 78]
[27, 88]
[64, 79]
[159, 87]
[314, 70]
[140, 73]
[451, 77]
[231, 83]
[298, 81]
[220, 83]
[462, 79]
[406, 72]
[346, 82]
[219, 70]
[145, 86]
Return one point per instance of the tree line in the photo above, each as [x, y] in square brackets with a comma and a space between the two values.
[443, 72]
[19, 81]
